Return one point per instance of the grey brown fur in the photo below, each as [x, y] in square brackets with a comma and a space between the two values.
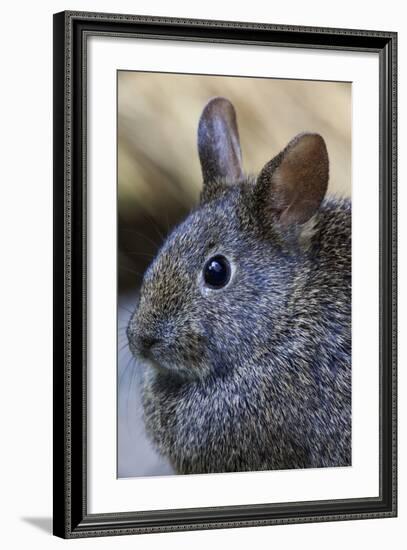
[256, 375]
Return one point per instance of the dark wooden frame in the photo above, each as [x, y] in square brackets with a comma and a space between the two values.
[71, 518]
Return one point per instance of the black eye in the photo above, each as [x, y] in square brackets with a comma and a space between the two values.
[216, 272]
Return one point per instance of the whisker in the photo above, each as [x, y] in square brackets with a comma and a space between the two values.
[135, 253]
[131, 270]
[123, 347]
[133, 375]
[143, 236]
[124, 371]
[124, 320]
[155, 225]
[167, 221]
[125, 309]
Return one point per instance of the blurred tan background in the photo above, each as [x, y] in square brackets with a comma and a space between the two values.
[159, 181]
[159, 177]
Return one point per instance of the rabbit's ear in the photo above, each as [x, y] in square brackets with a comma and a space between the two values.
[293, 184]
[218, 142]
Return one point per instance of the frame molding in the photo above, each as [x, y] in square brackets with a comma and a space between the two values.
[71, 29]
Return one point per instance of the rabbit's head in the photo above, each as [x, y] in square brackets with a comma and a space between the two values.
[221, 282]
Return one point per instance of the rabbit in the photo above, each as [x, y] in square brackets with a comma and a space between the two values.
[243, 324]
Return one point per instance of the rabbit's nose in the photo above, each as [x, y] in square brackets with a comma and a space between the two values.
[146, 343]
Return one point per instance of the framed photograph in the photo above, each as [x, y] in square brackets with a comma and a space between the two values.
[224, 274]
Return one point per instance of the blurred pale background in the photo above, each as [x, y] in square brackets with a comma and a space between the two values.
[159, 181]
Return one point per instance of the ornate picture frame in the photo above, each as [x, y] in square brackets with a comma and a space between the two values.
[72, 31]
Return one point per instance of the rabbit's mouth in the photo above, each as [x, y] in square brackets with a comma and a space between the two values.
[164, 359]
[150, 364]
[146, 357]
[144, 348]
[181, 352]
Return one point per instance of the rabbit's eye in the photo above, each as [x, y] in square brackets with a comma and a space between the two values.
[216, 272]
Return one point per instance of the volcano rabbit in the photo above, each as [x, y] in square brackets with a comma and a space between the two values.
[244, 316]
